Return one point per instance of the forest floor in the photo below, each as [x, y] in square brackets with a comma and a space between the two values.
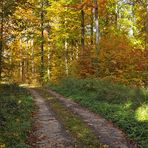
[62, 123]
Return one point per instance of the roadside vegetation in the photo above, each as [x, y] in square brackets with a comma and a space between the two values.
[126, 107]
[15, 116]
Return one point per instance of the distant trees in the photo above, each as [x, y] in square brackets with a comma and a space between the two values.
[48, 40]
[7, 8]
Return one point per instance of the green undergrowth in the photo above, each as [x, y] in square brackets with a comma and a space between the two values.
[126, 107]
[82, 134]
[15, 116]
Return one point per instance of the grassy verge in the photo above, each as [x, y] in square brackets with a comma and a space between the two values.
[82, 134]
[15, 116]
[126, 107]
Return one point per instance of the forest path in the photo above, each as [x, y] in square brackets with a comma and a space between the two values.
[108, 134]
[52, 134]
[48, 132]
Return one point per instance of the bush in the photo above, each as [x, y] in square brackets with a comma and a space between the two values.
[15, 116]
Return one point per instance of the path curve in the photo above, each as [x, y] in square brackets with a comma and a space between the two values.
[107, 133]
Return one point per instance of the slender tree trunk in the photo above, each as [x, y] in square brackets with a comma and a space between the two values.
[22, 63]
[97, 40]
[66, 58]
[116, 17]
[133, 20]
[48, 56]
[82, 31]
[48, 52]
[21, 79]
[97, 26]
[146, 24]
[48, 67]
[27, 60]
[42, 41]
[11, 66]
[1, 38]
[66, 50]
[92, 26]
[22, 75]
[32, 61]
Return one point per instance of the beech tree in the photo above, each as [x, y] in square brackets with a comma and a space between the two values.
[147, 24]
[97, 25]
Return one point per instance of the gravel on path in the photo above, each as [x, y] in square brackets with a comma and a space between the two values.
[49, 131]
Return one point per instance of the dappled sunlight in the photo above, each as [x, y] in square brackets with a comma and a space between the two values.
[50, 98]
[127, 105]
[141, 114]
[30, 85]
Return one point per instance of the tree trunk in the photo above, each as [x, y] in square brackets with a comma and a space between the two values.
[97, 26]
[1, 39]
[42, 41]
[82, 31]
[27, 60]
[21, 60]
[32, 61]
[146, 24]
[49, 56]
[48, 67]
[66, 58]
[92, 26]
[132, 19]
[116, 17]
